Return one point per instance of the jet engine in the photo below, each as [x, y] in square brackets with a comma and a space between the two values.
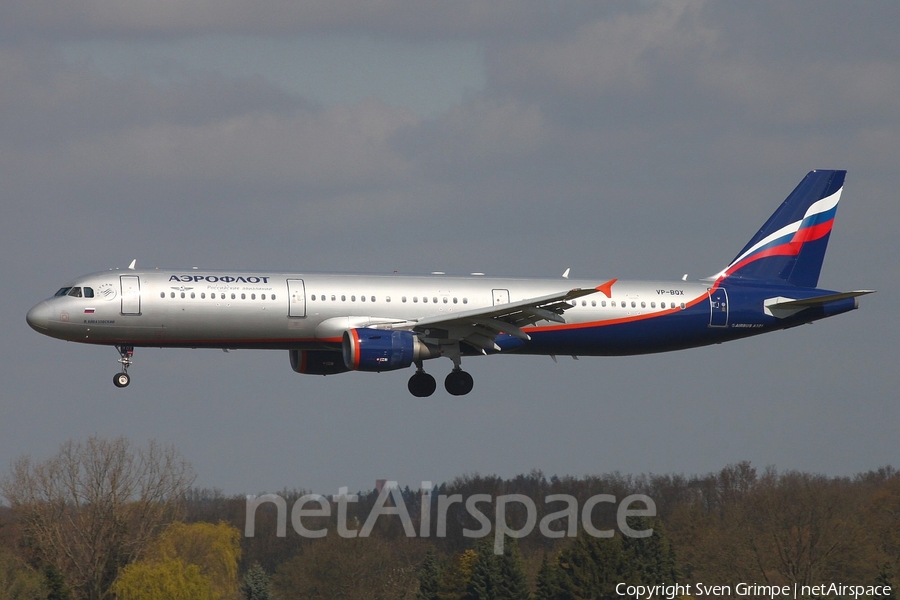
[367, 349]
[317, 362]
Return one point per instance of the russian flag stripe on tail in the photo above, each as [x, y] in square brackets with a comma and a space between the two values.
[791, 246]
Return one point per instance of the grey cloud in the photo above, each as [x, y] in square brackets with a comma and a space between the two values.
[401, 19]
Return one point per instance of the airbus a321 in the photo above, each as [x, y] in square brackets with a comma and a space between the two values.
[335, 323]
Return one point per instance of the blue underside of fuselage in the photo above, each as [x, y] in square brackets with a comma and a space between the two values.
[687, 328]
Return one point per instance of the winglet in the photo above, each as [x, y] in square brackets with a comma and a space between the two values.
[606, 288]
[566, 274]
[131, 266]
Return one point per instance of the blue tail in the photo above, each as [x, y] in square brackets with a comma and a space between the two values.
[790, 247]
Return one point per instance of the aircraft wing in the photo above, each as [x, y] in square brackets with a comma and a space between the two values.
[479, 327]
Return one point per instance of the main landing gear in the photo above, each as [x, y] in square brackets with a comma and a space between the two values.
[125, 353]
[457, 383]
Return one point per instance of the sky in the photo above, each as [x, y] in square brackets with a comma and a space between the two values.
[636, 139]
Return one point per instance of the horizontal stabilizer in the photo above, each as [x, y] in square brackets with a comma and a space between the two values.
[784, 307]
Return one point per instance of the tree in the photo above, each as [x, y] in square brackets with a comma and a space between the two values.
[429, 577]
[169, 579]
[365, 568]
[214, 549]
[91, 509]
[512, 583]
[255, 585]
[547, 582]
[197, 560]
[18, 581]
[455, 577]
[485, 575]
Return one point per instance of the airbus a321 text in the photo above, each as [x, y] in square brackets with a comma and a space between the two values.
[335, 323]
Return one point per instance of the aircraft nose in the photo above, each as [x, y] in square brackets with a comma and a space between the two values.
[39, 316]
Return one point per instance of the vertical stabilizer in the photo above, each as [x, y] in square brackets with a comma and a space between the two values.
[790, 247]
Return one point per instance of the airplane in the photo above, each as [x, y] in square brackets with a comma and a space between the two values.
[336, 323]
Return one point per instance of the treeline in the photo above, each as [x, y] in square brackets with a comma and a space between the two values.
[103, 519]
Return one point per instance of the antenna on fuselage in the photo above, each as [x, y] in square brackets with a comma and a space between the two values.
[131, 266]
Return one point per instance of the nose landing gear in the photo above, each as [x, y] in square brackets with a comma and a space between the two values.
[125, 353]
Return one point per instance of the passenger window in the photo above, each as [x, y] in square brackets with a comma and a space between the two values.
[162, 294]
[682, 306]
[362, 298]
[193, 295]
[343, 298]
[403, 299]
[445, 300]
[425, 299]
[352, 298]
[387, 299]
[172, 295]
[643, 305]
[465, 300]
[203, 296]
[263, 297]
[454, 301]
[593, 303]
[373, 298]
[415, 298]
[233, 296]
[76, 292]
[243, 296]
[273, 297]
[313, 297]
[434, 299]
[253, 296]
[182, 294]
[603, 304]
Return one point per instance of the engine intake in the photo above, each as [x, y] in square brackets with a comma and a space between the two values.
[317, 362]
[367, 349]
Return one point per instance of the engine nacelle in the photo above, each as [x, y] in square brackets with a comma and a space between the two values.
[317, 362]
[367, 349]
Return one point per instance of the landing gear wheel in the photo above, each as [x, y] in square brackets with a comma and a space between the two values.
[121, 380]
[459, 383]
[421, 384]
[125, 357]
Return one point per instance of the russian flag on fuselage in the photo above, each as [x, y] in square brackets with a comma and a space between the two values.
[791, 246]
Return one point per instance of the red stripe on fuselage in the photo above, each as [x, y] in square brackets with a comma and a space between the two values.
[619, 321]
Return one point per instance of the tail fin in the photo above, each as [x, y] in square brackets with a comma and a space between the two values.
[790, 247]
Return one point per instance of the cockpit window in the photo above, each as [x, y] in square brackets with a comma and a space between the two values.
[75, 292]
[88, 292]
[62, 291]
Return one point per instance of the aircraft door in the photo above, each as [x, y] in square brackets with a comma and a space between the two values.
[501, 297]
[718, 307]
[131, 294]
[296, 298]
